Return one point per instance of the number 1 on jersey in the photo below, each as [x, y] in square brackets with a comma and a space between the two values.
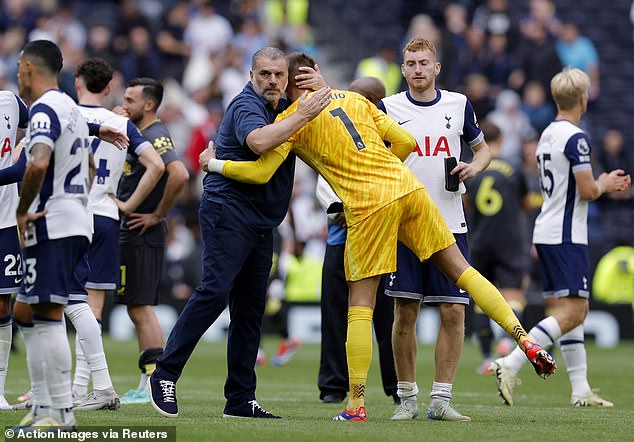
[347, 122]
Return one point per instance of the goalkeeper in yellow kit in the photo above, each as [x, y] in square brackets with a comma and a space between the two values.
[383, 202]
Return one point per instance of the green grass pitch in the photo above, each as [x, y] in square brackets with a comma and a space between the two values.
[542, 411]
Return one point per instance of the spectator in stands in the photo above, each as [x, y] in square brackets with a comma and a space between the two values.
[477, 90]
[536, 106]
[500, 62]
[5, 82]
[248, 40]
[473, 59]
[231, 79]
[100, 44]
[538, 58]
[423, 26]
[43, 30]
[454, 42]
[579, 52]
[130, 16]
[207, 32]
[542, 12]
[67, 27]
[493, 16]
[282, 15]
[141, 58]
[19, 14]
[170, 40]
[383, 66]
[617, 205]
[199, 137]
[300, 39]
[10, 44]
[513, 123]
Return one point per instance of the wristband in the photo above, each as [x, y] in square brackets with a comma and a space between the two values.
[215, 166]
[600, 189]
[93, 129]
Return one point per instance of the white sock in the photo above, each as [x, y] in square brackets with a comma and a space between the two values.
[58, 360]
[41, 411]
[573, 351]
[5, 349]
[89, 333]
[64, 416]
[440, 392]
[35, 364]
[546, 332]
[82, 370]
[143, 382]
[407, 390]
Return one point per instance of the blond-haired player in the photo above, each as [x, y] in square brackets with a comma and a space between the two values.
[561, 237]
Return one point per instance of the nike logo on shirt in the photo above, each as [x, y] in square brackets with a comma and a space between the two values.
[403, 122]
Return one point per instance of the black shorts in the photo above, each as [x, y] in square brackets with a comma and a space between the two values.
[504, 268]
[141, 268]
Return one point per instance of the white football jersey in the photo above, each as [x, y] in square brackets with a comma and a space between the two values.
[563, 149]
[108, 159]
[14, 115]
[438, 127]
[55, 120]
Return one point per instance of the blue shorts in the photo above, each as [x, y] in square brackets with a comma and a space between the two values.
[565, 270]
[103, 255]
[78, 291]
[50, 270]
[10, 261]
[423, 281]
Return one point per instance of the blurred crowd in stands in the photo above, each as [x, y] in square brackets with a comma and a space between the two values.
[201, 50]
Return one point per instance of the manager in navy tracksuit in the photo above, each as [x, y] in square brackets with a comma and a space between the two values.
[236, 222]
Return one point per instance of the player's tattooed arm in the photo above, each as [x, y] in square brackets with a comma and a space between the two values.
[31, 184]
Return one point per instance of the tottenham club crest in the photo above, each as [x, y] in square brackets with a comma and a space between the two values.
[448, 125]
[583, 147]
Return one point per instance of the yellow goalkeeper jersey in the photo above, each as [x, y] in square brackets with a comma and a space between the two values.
[344, 143]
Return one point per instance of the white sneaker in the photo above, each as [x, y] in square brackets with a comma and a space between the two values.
[26, 405]
[99, 400]
[505, 379]
[4, 405]
[443, 411]
[25, 401]
[26, 396]
[78, 397]
[406, 410]
[594, 400]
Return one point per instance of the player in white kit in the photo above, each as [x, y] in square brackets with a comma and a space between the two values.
[439, 120]
[92, 84]
[55, 228]
[15, 115]
[561, 237]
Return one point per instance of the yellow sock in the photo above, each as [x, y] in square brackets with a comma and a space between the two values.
[359, 353]
[491, 302]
